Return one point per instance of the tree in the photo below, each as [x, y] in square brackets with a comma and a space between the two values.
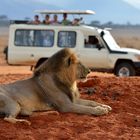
[4, 21]
[95, 23]
[3, 17]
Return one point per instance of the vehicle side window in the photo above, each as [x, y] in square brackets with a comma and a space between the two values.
[36, 38]
[67, 39]
[24, 38]
[91, 42]
[44, 38]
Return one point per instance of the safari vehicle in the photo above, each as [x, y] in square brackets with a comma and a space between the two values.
[31, 44]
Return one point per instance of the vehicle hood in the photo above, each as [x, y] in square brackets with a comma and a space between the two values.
[130, 50]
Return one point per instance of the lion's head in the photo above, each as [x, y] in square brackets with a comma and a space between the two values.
[64, 65]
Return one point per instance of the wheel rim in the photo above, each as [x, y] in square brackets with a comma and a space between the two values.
[124, 72]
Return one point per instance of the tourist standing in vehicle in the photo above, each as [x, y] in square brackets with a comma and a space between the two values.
[36, 20]
[65, 21]
[55, 20]
[47, 19]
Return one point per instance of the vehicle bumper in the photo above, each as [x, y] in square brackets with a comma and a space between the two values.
[137, 65]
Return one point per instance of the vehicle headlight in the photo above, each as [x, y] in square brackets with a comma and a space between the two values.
[137, 56]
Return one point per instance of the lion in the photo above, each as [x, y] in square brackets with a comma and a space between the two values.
[51, 87]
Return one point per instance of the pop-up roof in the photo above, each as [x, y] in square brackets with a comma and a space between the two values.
[79, 12]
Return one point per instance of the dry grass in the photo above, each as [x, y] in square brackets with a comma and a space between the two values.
[129, 42]
[127, 37]
[3, 44]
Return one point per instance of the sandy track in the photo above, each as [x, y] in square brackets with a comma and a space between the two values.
[123, 123]
[15, 70]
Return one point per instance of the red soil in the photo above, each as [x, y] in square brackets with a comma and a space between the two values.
[123, 123]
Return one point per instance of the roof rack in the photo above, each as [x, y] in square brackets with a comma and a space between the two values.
[80, 12]
[19, 21]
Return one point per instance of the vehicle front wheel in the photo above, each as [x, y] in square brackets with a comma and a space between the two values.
[125, 69]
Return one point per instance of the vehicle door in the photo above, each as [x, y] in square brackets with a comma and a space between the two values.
[94, 54]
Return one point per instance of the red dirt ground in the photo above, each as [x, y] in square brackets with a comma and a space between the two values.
[123, 123]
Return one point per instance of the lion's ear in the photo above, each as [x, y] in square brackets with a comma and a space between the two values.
[71, 60]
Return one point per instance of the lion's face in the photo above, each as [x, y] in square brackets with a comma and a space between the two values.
[73, 69]
[82, 71]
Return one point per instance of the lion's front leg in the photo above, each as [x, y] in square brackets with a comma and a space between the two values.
[91, 103]
[12, 119]
[82, 109]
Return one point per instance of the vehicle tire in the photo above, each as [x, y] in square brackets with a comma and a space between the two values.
[5, 51]
[125, 69]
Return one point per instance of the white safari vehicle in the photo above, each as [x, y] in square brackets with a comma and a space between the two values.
[31, 44]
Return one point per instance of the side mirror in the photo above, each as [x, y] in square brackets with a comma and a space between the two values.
[99, 47]
[102, 33]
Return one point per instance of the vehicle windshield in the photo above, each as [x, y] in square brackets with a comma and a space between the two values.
[110, 40]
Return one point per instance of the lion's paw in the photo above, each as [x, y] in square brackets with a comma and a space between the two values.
[107, 107]
[100, 111]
